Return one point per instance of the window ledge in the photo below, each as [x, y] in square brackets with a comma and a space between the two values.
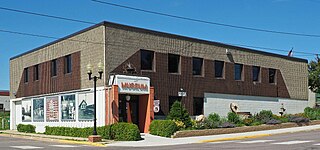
[175, 73]
[148, 71]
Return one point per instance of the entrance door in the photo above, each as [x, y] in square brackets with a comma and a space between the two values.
[129, 110]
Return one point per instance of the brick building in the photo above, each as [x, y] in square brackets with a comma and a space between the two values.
[4, 100]
[212, 75]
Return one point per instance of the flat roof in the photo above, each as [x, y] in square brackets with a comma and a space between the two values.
[121, 26]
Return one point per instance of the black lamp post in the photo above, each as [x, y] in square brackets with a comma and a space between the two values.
[95, 78]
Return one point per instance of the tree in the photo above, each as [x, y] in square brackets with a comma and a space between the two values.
[314, 75]
[177, 112]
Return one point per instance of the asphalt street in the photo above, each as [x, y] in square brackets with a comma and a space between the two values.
[292, 141]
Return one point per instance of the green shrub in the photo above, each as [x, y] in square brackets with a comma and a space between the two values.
[312, 113]
[28, 128]
[125, 132]
[206, 124]
[104, 131]
[233, 118]
[177, 112]
[247, 121]
[214, 117]
[256, 123]
[164, 128]
[263, 116]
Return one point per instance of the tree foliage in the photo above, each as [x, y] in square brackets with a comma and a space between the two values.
[178, 112]
[314, 75]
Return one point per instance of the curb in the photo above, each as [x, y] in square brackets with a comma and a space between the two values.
[83, 143]
[47, 139]
[235, 138]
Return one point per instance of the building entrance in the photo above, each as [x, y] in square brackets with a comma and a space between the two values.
[129, 108]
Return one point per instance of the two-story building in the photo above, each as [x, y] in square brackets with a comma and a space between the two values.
[49, 85]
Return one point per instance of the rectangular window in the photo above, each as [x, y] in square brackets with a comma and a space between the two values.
[197, 66]
[218, 69]
[238, 71]
[173, 63]
[26, 75]
[36, 73]
[147, 60]
[54, 68]
[256, 73]
[272, 75]
[1, 106]
[67, 64]
[197, 106]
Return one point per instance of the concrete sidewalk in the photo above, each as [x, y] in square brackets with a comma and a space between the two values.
[151, 140]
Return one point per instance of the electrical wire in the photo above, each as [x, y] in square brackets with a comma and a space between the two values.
[208, 22]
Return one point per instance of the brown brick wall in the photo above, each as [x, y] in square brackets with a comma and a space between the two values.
[47, 84]
[167, 84]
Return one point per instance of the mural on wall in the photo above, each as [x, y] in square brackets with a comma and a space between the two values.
[86, 107]
[68, 107]
[38, 109]
[26, 110]
[52, 108]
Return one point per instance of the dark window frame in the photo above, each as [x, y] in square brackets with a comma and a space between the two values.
[195, 72]
[196, 109]
[258, 78]
[1, 106]
[272, 80]
[67, 64]
[26, 75]
[222, 69]
[36, 73]
[241, 72]
[176, 61]
[147, 67]
[54, 68]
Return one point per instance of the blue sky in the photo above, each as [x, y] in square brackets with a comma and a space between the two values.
[299, 16]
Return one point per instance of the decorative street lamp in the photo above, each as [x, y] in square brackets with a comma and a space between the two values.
[95, 78]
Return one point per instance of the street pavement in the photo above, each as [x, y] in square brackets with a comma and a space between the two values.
[309, 140]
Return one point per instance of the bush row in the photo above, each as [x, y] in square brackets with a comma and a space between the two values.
[164, 128]
[119, 131]
[27, 128]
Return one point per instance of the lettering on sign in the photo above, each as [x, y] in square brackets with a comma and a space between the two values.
[134, 86]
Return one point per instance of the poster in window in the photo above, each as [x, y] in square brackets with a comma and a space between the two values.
[52, 106]
[86, 107]
[68, 107]
[38, 109]
[26, 110]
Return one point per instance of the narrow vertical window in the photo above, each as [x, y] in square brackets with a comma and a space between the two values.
[197, 106]
[272, 75]
[54, 68]
[197, 64]
[67, 64]
[256, 73]
[238, 71]
[218, 69]
[147, 58]
[36, 73]
[173, 63]
[26, 75]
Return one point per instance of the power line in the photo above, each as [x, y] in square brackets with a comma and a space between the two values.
[46, 15]
[208, 22]
[88, 22]
[102, 43]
